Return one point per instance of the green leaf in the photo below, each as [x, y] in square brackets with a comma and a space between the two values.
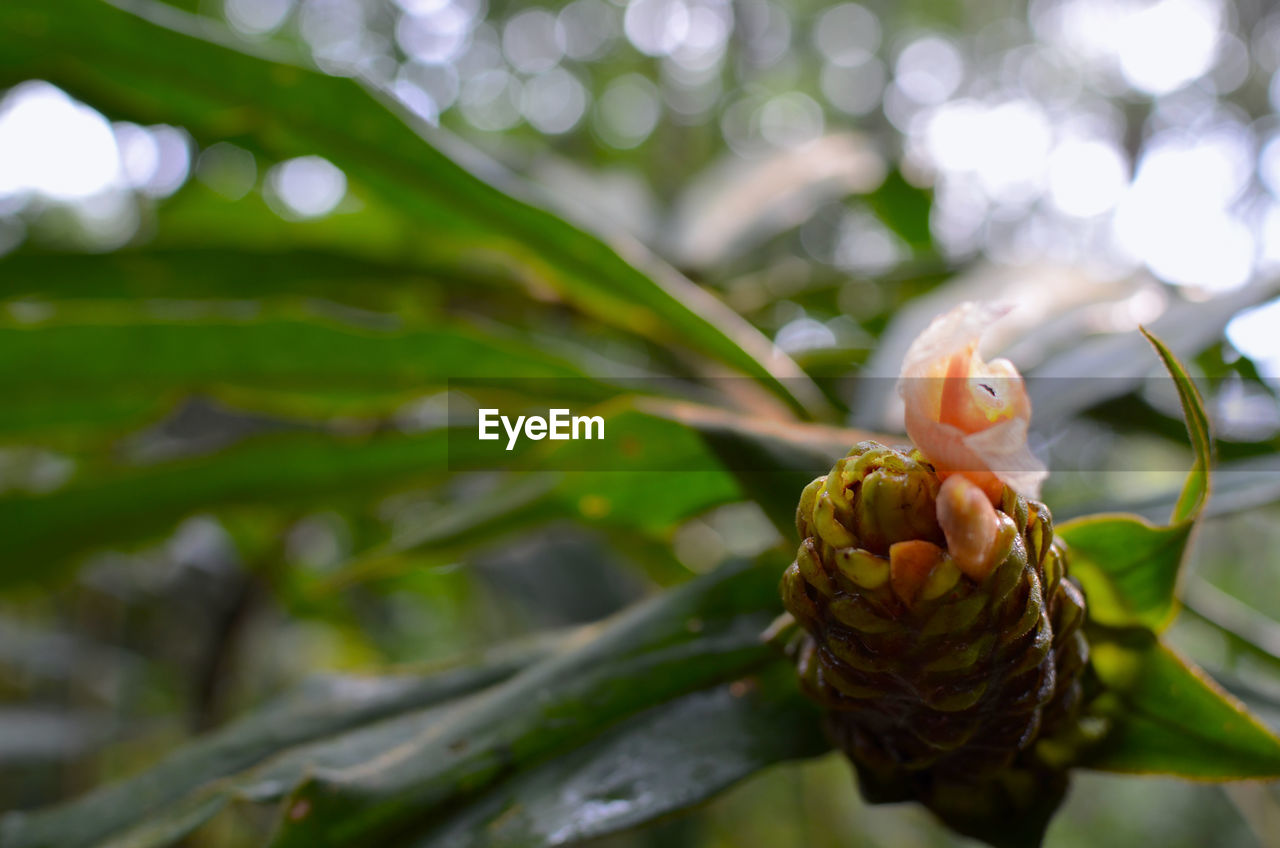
[41, 534]
[242, 271]
[320, 709]
[352, 762]
[662, 476]
[680, 460]
[660, 762]
[1127, 567]
[904, 208]
[773, 461]
[1245, 628]
[1238, 486]
[64, 421]
[163, 65]
[1196, 490]
[1167, 717]
[144, 356]
[107, 366]
[698, 635]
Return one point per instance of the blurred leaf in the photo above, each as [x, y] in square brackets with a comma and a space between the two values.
[242, 271]
[1127, 566]
[732, 208]
[904, 208]
[1196, 490]
[695, 636]
[41, 534]
[1070, 382]
[773, 461]
[163, 65]
[1167, 717]
[134, 355]
[71, 419]
[660, 762]
[653, 473]
[679, 460]
[1237, 487]
[107, 367]
[1244, 626]
[367, 776]
[666, 475]
[322, 708]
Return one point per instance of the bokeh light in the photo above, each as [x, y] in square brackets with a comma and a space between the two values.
[307, 187]
[1086, 176]
[533, 40]
[229, 170]
[553, 101]
[1121, 134]
[847, 34]
[53, 146]
[257, 17]
[929, 70]
[1253, 333]
[628, 111]
[1163, 46]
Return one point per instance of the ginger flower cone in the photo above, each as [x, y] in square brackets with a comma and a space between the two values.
[937, 625]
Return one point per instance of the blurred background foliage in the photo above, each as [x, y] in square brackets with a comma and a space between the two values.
[232, 305]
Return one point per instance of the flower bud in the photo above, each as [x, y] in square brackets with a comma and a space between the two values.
[977, 535]
[938, 629]
[967, 416]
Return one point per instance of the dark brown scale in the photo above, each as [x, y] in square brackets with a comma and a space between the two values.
[943, 700]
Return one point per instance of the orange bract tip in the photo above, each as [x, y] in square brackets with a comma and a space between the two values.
[910, 564]
[971, 526]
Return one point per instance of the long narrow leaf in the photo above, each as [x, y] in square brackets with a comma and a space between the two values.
[698, 635]
[1167, 717]
[772, 461]
[1196, 490]
[162, 65]
[658, 763]
[220, 271]
[416, 766]
[157, 355]
[40, 535]
[321, 709]
[1129, 568]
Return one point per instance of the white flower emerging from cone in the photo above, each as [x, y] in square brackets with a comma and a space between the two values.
[967, 416]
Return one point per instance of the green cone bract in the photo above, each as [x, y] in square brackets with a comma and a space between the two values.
[941, 694]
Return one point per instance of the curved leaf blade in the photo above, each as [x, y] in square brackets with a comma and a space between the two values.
[1196, 490]
[1127, 567]
[696, 636]
[319, 709]
[150, 62]
[42, 534]
[660, 762]
[144, 356]
[210, 271]
[772, 461]
[691, 638]
[1169, 717]
[104, 366]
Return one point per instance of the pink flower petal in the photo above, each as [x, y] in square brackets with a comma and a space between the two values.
[968, 416]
